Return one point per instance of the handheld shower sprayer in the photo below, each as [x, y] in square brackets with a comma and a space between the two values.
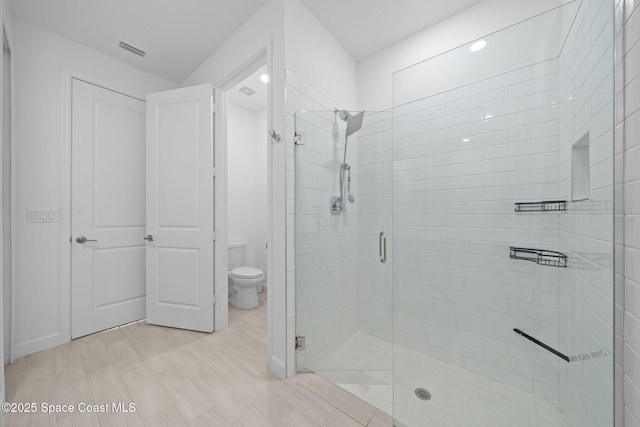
[349, 195]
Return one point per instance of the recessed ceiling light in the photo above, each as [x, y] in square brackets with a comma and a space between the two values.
[480, 44]
[466, 140]
[264, 78]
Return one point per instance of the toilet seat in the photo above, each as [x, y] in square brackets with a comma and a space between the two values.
[247, 272]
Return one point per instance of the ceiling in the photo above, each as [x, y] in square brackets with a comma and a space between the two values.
[364, 27]
[255, 102]
[179, 35]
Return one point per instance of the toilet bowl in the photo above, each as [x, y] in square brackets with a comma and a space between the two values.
[244, 281]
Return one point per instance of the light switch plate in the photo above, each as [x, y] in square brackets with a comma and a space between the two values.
[42, 215]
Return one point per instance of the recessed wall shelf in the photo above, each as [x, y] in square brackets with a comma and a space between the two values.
[543, 206]
[539, 256]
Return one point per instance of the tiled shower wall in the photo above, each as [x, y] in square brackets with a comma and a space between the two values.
[627, 213]
[586, 232]
[321, 248]
[460, 160]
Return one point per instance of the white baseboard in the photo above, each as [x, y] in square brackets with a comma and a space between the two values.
[277, 367]
[33, 346]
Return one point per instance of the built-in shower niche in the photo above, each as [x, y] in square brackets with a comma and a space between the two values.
[580, 172]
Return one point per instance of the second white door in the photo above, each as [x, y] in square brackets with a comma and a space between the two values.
[108, 209]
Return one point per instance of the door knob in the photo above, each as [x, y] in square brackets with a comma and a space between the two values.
[83, 239]
[149, 238]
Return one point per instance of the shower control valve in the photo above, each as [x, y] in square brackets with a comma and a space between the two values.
[336, 205]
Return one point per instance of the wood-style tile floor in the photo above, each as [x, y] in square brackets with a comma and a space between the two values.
[179, 378]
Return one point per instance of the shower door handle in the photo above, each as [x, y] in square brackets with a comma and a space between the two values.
[382, 247]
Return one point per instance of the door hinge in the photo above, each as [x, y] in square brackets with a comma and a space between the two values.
[214, 299]
[300, 342]
[214, 110]
[298, 138]
[213, 171]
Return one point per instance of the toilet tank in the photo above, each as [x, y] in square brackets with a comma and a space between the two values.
[236, 255]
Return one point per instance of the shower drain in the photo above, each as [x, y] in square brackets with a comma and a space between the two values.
[423, 394]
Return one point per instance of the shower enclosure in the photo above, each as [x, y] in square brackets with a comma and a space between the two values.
[470, 283]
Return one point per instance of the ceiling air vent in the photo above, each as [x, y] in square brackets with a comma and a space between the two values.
[246, 90]
[132, 49]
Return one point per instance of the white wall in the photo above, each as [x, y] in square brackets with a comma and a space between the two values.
[247, 164]
[326, 71]
[42, 298]
[374, 72]
[627, 214]
[241, 158]
[264, 28]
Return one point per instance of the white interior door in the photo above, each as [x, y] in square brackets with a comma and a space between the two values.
[108, 209]
[180, 249]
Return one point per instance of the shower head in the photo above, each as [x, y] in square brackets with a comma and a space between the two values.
[354, 123]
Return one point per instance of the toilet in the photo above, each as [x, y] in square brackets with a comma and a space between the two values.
[244, 281]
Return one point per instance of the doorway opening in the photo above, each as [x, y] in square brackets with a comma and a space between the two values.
[247, 199]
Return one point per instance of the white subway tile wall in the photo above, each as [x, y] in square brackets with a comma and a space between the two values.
[627, 191]
[586, 232]
[461, 159]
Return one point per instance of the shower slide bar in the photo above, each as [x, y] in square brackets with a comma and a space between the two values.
[541, 344]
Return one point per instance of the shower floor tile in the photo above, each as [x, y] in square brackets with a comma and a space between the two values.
[362, 366]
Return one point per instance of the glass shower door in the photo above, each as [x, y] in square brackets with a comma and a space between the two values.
[503, 274]
[342, 278]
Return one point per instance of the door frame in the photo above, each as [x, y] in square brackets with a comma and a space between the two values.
[220, 279]
[222, 179]
[67, 77]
